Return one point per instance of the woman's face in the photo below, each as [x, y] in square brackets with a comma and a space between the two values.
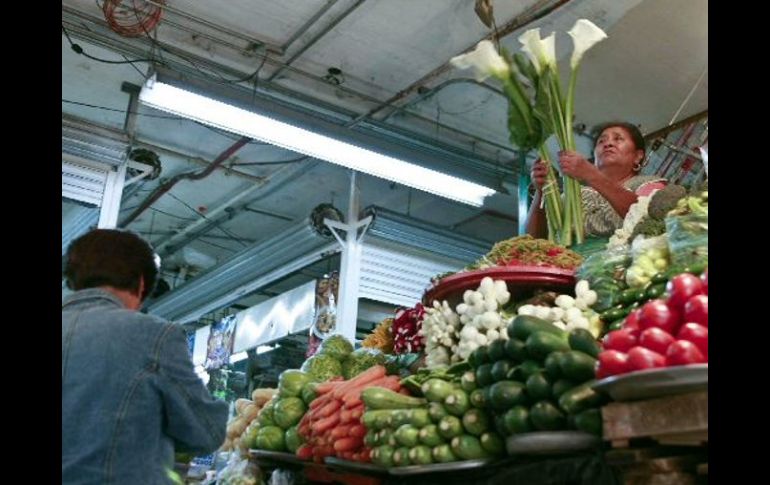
[615, 148]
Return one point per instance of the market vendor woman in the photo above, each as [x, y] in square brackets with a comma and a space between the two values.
[610, 186]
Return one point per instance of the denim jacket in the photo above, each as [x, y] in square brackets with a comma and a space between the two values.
[130, 396]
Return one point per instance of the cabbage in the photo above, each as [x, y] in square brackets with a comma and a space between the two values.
[288, 411]
[336, 346]
[360, 360]
[322, 367]
[270, 438]
[291, 381]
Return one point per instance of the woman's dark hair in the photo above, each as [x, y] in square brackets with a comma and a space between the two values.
[111, 257]
[631, 129]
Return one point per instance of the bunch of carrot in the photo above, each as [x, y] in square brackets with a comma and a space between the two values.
[332, 426]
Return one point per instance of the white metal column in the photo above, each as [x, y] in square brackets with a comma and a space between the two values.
[113, 192]
[350, 268]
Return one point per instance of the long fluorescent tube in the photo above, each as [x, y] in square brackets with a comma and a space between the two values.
[172, 99]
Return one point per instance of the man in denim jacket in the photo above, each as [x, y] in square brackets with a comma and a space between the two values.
[130, 397]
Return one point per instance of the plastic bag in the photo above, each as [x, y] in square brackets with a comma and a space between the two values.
[688, 239]
[605, 273]
[239, 471]
[282, 477]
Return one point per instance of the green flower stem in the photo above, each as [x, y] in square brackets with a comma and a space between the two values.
[515, 93]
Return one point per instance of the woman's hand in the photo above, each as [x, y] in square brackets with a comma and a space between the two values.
[574, 165]
[539, 173]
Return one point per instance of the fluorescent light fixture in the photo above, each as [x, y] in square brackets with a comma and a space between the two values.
[172, 99]
[238, 357]
[265, 348]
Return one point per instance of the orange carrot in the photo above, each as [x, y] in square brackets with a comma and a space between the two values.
[357, 413]
[368, 375]
[331, 407]
[348, 444]
[326, 423]
[327, 386]
[341, 431]
[357, 431]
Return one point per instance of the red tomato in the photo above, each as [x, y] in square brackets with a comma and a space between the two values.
[656, 313]
[697, 310]
[656, 339]
[683, 352]
[705, 279]
[632, 322]
[621, 340]
[697, 334]
[640, 358]
[681, 288]
[612, 362]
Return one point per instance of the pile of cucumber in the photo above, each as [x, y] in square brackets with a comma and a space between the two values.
[538, 380]
[444, 427]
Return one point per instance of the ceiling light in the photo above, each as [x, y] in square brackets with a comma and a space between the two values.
[181, 102]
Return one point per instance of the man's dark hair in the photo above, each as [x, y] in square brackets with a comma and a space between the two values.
[633, 130]
[111, 257]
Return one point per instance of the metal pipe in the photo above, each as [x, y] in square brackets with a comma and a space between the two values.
[435, 90]
[163, 188]
[296, 35]
[214, 26]
[316, 38]
[532, 14]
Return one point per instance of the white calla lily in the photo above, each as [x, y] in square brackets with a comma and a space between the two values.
[585, 34]
[542, 52]
[485, 61]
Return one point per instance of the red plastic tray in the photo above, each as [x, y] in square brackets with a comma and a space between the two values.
[521, 281]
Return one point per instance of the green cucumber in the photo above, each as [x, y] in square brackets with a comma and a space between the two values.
[552, 367]
[401, 457]
[419, 417]
[547, 417]
[443, 454]
[370, 439]
[385, 456]
[580, 398]
[492, 443]
[582, 340]
[468, 447]
[436, 390]
[478, 357]
[577, 366]
[515, 350]
[560, 387]
[589, 421]
[500, 370]
[478, 398]
[538, 387]
[407, 435]
[524, 325]
[468, 381]
[496, 350]
[522, 371]
[516, 420]
[505, 394]
[436, 411]
[484, 375]
[656, 291]
[540, 344]
[420, 455]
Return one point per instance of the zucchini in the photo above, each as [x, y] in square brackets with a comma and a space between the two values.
[370, 439]
[478, 357]
[582, 340]
[381, 398]
[419, 417]
[377, 419]
[468, 447]
[420, 455]
[407, 435]
[385, 456]
[505, 394]
[436, 411]
[522, 371]
[516, 420]
[468, 381]
[580, 398]
[457, 402]
[443, 454]
[429, 436]
[547, 417]
[492, 443]
[475, 422]
[539, 344]
[449, 427]
[577, 366]
[523, 325]
[436, 390]
[401, 457]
